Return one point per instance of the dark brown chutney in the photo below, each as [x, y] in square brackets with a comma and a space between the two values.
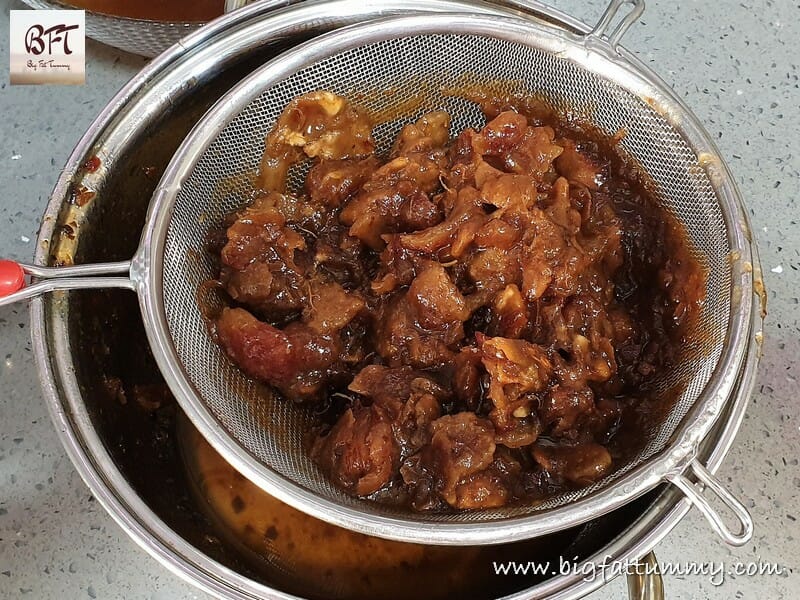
[471, 317]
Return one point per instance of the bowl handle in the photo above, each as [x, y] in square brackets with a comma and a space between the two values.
[693, 492]
[645, 583]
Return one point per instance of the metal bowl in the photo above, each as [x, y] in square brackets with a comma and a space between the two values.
[83, 339]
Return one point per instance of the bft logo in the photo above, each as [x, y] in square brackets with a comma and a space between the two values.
[48, 46]
[58, 34]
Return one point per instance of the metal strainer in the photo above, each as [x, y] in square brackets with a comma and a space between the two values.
[420, 58]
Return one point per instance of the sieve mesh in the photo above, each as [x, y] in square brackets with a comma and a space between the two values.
[416, 69]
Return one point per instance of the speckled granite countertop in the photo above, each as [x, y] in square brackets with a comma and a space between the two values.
[736, 64]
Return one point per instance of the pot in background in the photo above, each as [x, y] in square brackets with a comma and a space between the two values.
[145, 37]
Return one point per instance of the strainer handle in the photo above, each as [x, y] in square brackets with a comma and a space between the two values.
[693, 493]
[646, 582]
[601, 30]
[80, 277]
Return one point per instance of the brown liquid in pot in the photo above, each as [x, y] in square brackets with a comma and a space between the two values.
[155, 10]
[314, 559]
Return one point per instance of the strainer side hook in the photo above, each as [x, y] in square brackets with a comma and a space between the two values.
[603, 27]
[707, 481]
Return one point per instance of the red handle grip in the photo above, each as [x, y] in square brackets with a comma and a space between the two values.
[12, 278]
